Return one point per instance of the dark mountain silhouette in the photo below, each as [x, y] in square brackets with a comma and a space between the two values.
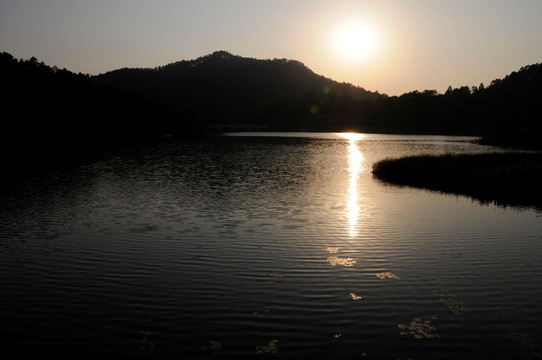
[52, 115]
[515, 106]
[508, 110]
[224, 89]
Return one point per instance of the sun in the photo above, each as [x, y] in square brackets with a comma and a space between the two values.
[355, 42]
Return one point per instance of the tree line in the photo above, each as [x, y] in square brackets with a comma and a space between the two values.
[282, 94]
[52, 113]
[508, 108]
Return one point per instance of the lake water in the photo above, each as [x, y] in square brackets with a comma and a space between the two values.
[283, 245]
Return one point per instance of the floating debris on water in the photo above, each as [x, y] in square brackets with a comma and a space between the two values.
[146, 344]
[502, 313]
[258, 314]
[334, 260]
[214, 347]
[450, 299]
[387, 275]
[456, 306]
[526, 341]
[270, 348]
[273, 276]
[354, 296]
[420, 329]
[332, 250]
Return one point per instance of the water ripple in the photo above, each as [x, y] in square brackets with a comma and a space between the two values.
[281, 246]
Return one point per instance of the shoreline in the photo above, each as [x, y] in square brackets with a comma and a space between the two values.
[508, 179]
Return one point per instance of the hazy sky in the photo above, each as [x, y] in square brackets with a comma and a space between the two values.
[393, 46]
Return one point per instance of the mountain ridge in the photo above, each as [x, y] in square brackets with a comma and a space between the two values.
[222, 60]
[281, 94]
[222, 88]
[222, 91]
[56, 116]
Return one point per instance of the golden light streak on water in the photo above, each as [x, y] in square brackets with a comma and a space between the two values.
[355, 167]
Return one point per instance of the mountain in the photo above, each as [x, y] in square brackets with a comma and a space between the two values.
[224, 89]
[53, 116]
[510, 108]
[515, 104]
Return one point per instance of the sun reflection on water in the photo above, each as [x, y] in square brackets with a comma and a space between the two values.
[355, 167]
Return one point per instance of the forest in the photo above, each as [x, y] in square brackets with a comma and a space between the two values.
[53, 115]
[223, 89]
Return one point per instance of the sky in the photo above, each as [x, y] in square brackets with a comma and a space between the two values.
[389, 46]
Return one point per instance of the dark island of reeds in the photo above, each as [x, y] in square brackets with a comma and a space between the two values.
[513, 179]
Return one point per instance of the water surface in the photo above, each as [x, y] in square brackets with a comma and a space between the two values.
[255, 245]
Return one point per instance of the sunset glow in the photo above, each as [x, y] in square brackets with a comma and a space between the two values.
[347, 179]
[355, 167]
[351, 136]
[355, 42]
[388, 46]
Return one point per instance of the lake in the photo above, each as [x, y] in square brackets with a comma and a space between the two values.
[265, 244]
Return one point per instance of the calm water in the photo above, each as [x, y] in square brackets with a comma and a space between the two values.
[250, 246]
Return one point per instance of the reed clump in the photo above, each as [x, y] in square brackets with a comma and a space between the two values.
[513, 178]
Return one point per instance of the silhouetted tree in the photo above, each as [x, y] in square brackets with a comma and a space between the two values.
[53, 115]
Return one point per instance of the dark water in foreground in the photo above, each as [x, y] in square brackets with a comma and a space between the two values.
[243, 247]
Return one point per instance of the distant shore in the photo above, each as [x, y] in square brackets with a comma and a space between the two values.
[503, 178]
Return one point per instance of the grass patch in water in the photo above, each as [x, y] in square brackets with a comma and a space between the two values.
[511, 178]
[419, 328]
[271, 348]
[527, 342]
[335, 260]
[354, 296]
[273, 276]
[332, 250]
[387, 275]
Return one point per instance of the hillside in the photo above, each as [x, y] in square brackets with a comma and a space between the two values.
[508, 110]
[515, 104]
[222, 88]
[56, 114]
[53, 116]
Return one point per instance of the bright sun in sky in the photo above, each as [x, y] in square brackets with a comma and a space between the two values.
[355, 42]
[389, 46]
